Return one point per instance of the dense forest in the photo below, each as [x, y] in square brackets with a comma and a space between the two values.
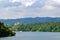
[39, 27]
[5, 30]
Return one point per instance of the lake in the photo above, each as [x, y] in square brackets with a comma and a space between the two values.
[34, 36]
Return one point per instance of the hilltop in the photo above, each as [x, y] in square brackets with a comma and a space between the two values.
[30, 20]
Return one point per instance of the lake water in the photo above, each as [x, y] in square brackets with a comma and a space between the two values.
[34, 36]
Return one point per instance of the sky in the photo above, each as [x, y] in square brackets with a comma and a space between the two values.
[12, 9]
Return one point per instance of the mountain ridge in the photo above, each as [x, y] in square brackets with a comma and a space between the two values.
[30, 20]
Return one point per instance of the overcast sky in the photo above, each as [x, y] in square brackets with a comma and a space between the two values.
[11, 9]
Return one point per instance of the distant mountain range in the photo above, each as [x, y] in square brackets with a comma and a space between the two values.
[30, 20]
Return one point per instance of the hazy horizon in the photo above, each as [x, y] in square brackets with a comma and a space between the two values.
[28, 17]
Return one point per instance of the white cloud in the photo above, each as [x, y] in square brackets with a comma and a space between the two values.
[15, 0]
[49, 7]
[25, 2]
[57, 1]
[30, 8]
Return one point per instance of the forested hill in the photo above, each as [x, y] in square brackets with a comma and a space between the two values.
[39, 27]
[29, 20]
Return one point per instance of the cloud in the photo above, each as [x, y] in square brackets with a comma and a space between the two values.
[11, 9]
[57, 1]
[7, 3]
[25, 2]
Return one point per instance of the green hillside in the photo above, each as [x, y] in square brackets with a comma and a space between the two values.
[40, 27]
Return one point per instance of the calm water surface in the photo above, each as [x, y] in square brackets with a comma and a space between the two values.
[34, 36]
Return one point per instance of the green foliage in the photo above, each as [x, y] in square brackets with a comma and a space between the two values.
[40, 27]
[5, 31]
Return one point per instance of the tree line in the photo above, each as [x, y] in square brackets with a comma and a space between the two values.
[40, 27]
